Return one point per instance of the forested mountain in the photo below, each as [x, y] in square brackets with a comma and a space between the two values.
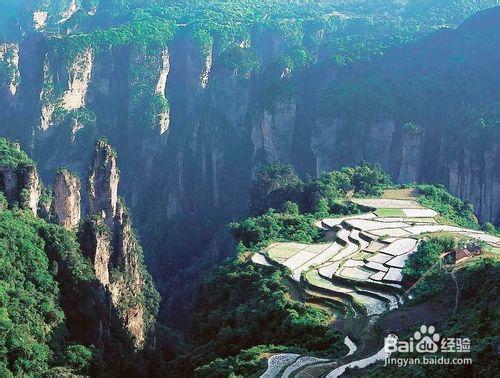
[196, 96]
[75, 295]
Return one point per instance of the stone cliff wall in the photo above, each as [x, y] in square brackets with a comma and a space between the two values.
[67, 199]
[109, 240]
[191, 129]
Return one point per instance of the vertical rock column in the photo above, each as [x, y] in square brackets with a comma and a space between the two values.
[109, 240]
[103, 182]
[67, 199]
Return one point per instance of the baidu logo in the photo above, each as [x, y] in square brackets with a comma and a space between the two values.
[426, 340]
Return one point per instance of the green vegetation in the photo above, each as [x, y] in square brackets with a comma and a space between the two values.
[259, 231]
[426, 79]
[31, 312]
[144, 30]
[277, 184]
[450, 208]
[279, 187]
[241, 306]
[11, 155]
[428, 255]
[247, 363]
[476, 318]
[55, 316]
[337, 33]
[393, 213]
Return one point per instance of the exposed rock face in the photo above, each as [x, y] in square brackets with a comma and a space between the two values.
[274, 135]
[109, 240]
[148, 84]
[9, 63]
[95, 241]
[73, 7]
[47, 107]
[469, 169]
[64, 86]
[78, 81]
[103, 182]
[192, 162]
[205, 74]
[67, 199]
[411, 155]
[163, 117]
[131, 283]
[21, 185]
[475, 175]
[31, 192]
[39, 20]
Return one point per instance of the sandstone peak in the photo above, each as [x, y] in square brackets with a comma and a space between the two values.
[103, 181]
[67, 198]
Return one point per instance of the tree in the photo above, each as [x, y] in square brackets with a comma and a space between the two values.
[273, 186]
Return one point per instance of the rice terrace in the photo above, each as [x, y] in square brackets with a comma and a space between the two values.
[357, 273]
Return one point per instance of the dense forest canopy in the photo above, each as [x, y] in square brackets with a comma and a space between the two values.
[346, 30]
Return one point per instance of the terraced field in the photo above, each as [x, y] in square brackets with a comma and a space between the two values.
[360, 268]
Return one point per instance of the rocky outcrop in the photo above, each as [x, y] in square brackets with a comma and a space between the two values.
[274, 134]
[130, 284]
[103, 182]
[95, 240]
[31, 189]
[411, 155]
[163, 116]
[47, 98]
[475, 176]
[9, 71]
[187, 164]
[108, 239]
[21, 184]
[67, 199]
[79, 75]
[64, 86]
[73, 7]
[39, 20]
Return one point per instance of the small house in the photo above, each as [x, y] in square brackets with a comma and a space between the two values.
[462, 254]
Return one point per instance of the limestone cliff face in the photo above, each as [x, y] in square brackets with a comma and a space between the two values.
[95, 240]
[475, 175]
[163, 116]
[274, 132]
[103, 182]
[190, 95]
[9, 65]
[64, 85]
[411, 155]
[21, 185]
[67, 199]
[109, 240]
[79, 75]
[130, 283]
[31, 192]
[468, 168]
[192, 127]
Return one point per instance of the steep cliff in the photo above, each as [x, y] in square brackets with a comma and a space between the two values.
[103, 182]
[194, 112]
[52, 295]
[19, 179]
[9, 72]
[67, 199]
[109, 240]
